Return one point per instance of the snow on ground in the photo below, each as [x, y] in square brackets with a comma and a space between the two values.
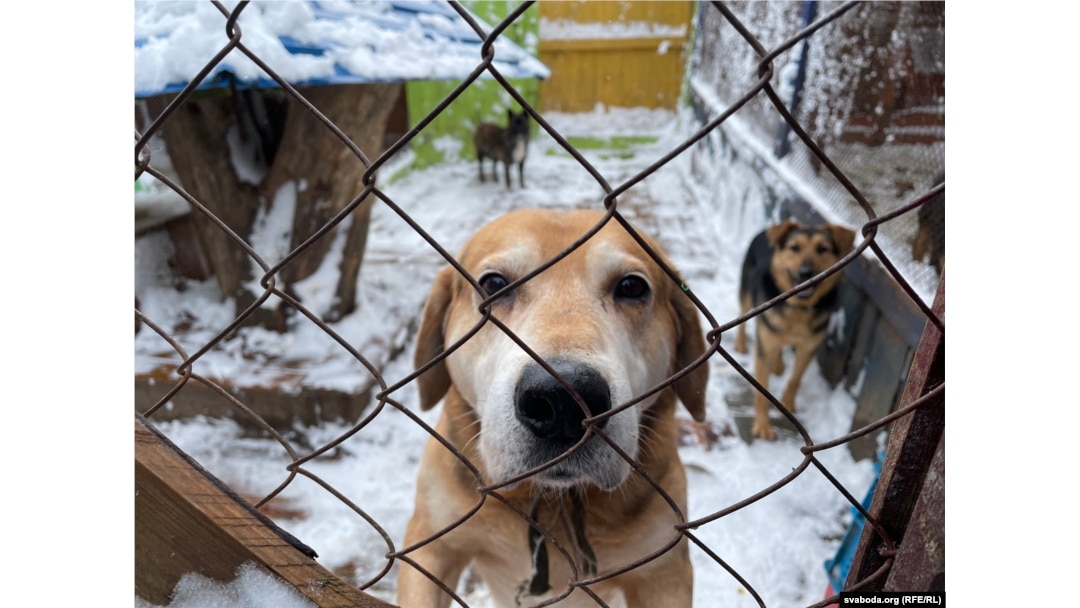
[778, 544]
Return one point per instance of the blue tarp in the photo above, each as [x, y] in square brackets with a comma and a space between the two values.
[314, 43]
[838, 567]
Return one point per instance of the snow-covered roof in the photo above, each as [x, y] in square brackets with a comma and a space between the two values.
[314, 42]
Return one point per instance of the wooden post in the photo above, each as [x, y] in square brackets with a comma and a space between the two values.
[196, 139]
[307, 161]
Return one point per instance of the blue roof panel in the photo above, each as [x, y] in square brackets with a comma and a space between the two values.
[313, 43]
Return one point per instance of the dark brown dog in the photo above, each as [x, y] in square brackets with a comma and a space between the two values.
[612, 326]
[780, 258]
[506, 145]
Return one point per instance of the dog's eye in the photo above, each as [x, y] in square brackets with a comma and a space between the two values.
[632, 287]
[822, 249]
[493, 282]
[794, 248]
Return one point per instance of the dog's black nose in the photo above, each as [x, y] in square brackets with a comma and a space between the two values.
[545, 407]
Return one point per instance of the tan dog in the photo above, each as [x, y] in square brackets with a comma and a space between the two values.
[612, 326]
[781, 257]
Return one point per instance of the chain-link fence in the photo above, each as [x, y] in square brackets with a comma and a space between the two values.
[269, 285]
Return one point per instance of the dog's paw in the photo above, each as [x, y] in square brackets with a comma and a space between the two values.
[763, 429]
[740, 345]
[704, 434]
[778, 366]
[740, 341]
[788, 400]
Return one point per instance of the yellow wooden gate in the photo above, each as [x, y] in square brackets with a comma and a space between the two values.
[625, 54]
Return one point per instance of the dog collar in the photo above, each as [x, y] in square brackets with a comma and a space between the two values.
[538, 583]
[573, 518]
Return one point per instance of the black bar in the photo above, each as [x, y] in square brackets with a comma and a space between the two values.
[892, 598]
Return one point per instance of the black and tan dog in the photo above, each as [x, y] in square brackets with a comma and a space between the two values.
[503, 144]
[780, 258]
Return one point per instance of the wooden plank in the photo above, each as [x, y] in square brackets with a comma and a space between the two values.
[188, 258]
[188, 521]
[608, 45]
[277, 405]
[615, 77]
[895, 305]
[920, 563]
[620, 72]
[913, 442]
[653, 11]
[882, 378]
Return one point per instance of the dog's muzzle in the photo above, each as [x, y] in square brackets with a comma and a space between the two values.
[555, 422]
[805, 273]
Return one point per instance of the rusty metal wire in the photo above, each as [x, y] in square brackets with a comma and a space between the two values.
[762, 88]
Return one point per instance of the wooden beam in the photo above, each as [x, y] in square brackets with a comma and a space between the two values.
[607, 45]
[920, 562]
[188, 521]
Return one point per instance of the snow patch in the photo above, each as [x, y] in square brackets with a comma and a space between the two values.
[253, 587]
[565, 29]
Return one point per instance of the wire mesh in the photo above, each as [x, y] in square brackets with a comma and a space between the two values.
[899, 216]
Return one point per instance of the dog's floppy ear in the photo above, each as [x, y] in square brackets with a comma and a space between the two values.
[691, 387]
[777, 233]
[843, 237]
[431, 341]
